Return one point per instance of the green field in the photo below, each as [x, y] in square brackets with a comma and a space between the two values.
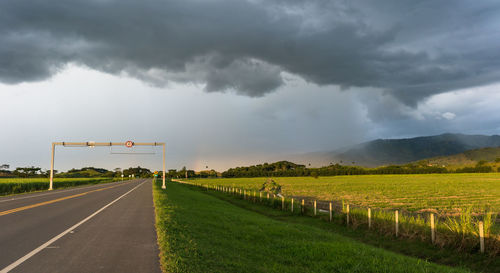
[198, 232]
[446, 193]
[458, 203]
[21, 185]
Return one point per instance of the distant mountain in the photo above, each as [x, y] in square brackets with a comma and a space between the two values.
[400, 151]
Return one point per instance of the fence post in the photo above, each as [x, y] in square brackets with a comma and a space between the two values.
[302, 207]
[292, 205]
[260, 196]
[330, 211]
[314, 207]
[347, 213]
[481, 236]
[369, 218]
[397, 222]
[433, 229]
[282, 203]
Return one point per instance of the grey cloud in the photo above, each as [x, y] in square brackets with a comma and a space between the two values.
[409, 49]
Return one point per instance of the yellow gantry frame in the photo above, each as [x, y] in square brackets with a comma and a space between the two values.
[107, 144]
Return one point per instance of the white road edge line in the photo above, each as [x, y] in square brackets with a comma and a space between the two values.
[58, 191]
[49, 242]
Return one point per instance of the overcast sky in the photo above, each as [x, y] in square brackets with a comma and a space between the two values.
[227, 82]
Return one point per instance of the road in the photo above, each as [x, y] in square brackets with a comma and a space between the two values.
[99, 228]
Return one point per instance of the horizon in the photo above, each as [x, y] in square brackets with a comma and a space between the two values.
[286, 158]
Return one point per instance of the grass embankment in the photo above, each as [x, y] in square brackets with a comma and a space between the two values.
[198, 232]
[449, 193]
[22, 185]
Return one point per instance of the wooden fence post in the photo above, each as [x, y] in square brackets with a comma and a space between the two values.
[481, 236]
[260, 196]
[433, 229]
[292, 204]
[330, 211]
[347, 213]
[369, 218]
[282, 203]
[396, 218]
[302, 209]
[314, 207]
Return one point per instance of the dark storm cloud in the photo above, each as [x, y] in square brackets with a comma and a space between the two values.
[410, 49]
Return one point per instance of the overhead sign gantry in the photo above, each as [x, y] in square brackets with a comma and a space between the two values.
[128, 144]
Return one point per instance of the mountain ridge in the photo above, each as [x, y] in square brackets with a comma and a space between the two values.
[380, 152]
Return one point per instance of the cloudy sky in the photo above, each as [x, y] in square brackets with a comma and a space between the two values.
[228, 82]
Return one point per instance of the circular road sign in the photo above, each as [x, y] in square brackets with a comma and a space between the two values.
[129, 144]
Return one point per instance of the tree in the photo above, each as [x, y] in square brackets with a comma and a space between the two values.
[27, 171]
[137, 172]
[481, 163]
[4, 167]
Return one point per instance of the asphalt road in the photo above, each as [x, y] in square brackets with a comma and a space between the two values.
[99, 228]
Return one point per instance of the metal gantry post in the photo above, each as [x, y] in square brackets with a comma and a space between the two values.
[52, 167]
[163, 186]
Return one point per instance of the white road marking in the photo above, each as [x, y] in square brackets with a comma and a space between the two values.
[60, 191]
[51, 241]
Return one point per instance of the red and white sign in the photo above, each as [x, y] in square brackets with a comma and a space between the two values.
[129, 144]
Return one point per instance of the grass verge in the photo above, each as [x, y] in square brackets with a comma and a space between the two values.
[198, 232]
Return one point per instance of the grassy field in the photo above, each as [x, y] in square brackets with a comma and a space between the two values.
[459, 203]
[447, 193]
[21, 185]
[198, 232]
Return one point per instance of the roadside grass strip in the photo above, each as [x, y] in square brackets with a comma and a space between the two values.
[198, 232]
[23, 185]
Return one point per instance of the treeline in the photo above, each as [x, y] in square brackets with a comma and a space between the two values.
[86, 172]
[285, 168]
[185, 173]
